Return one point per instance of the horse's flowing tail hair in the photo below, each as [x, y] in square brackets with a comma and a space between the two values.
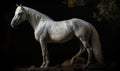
[95, 42]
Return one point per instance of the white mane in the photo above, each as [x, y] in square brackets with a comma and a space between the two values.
[35, 17]
[33, 11]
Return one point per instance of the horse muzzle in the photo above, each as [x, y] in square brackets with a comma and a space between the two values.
[15, 22]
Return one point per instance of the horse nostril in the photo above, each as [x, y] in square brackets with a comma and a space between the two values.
[12, 25]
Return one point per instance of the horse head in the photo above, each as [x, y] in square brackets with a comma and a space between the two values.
[19, 16]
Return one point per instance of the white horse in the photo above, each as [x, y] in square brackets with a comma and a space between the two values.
[47, 30]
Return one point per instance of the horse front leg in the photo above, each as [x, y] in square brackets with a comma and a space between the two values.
[44, 54]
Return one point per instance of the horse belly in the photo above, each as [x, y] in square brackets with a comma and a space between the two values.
[61, 37]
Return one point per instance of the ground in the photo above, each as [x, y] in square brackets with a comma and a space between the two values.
[78, 65]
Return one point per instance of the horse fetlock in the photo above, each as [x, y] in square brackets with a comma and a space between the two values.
[88, 63]
[42, 66]
[45, 64]
[73, 59]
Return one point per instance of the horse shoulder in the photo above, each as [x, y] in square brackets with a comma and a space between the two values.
[39, 30]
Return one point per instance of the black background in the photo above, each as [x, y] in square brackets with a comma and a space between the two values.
[19, 47]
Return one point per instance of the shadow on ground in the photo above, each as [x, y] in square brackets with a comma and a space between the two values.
[78, 65]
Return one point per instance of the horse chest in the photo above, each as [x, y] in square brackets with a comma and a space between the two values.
[39, 31]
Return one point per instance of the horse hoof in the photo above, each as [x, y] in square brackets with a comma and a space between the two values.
[75, 59]
[43, 69]
[86, 66]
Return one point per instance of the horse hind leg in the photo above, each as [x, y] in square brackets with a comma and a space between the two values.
[88, 48]
[81, 50]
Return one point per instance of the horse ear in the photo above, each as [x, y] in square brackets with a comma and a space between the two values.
[21, 5]
[17, 5]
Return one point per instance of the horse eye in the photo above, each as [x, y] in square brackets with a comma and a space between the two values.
[20, 14]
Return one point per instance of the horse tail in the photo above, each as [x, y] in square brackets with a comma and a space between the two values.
[96, 45]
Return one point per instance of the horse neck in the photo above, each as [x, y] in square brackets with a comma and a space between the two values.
[34, 17]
